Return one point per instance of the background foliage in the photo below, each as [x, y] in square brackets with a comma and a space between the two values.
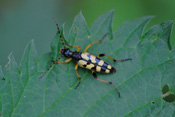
[140, 81]
[21, 21]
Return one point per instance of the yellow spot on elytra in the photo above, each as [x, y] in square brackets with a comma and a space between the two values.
[84, 55]
[81, 62]
[107, 71]
[93, 59]
[98, 68]
[90, 66]
[109, 67]
[101, 62]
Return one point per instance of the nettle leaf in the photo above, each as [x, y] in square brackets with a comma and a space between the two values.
[141, 82]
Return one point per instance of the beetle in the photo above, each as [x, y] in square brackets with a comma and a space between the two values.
[85, 60]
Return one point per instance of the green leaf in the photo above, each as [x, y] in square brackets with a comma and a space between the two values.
[139, 81]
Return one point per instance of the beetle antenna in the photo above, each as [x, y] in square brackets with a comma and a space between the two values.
[59, 32]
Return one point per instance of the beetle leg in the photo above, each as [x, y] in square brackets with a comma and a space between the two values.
[95, 76]
[87, 47]
[124, 59]
[76, 67]
[101, 55]
[66, 61]
[78, 49]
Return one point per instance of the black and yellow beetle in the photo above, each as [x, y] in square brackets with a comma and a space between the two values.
[86, 60]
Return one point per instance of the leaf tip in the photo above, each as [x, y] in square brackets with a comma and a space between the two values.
[79, 15]
[111, 11]
[30, 44]
[11, 60]
[148, 18]
[80, 12]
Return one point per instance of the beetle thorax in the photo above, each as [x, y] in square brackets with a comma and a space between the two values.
[66, 52]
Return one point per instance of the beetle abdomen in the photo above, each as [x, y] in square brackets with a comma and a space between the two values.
[91, 62]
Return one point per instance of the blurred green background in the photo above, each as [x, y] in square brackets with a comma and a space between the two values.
[23, 20]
